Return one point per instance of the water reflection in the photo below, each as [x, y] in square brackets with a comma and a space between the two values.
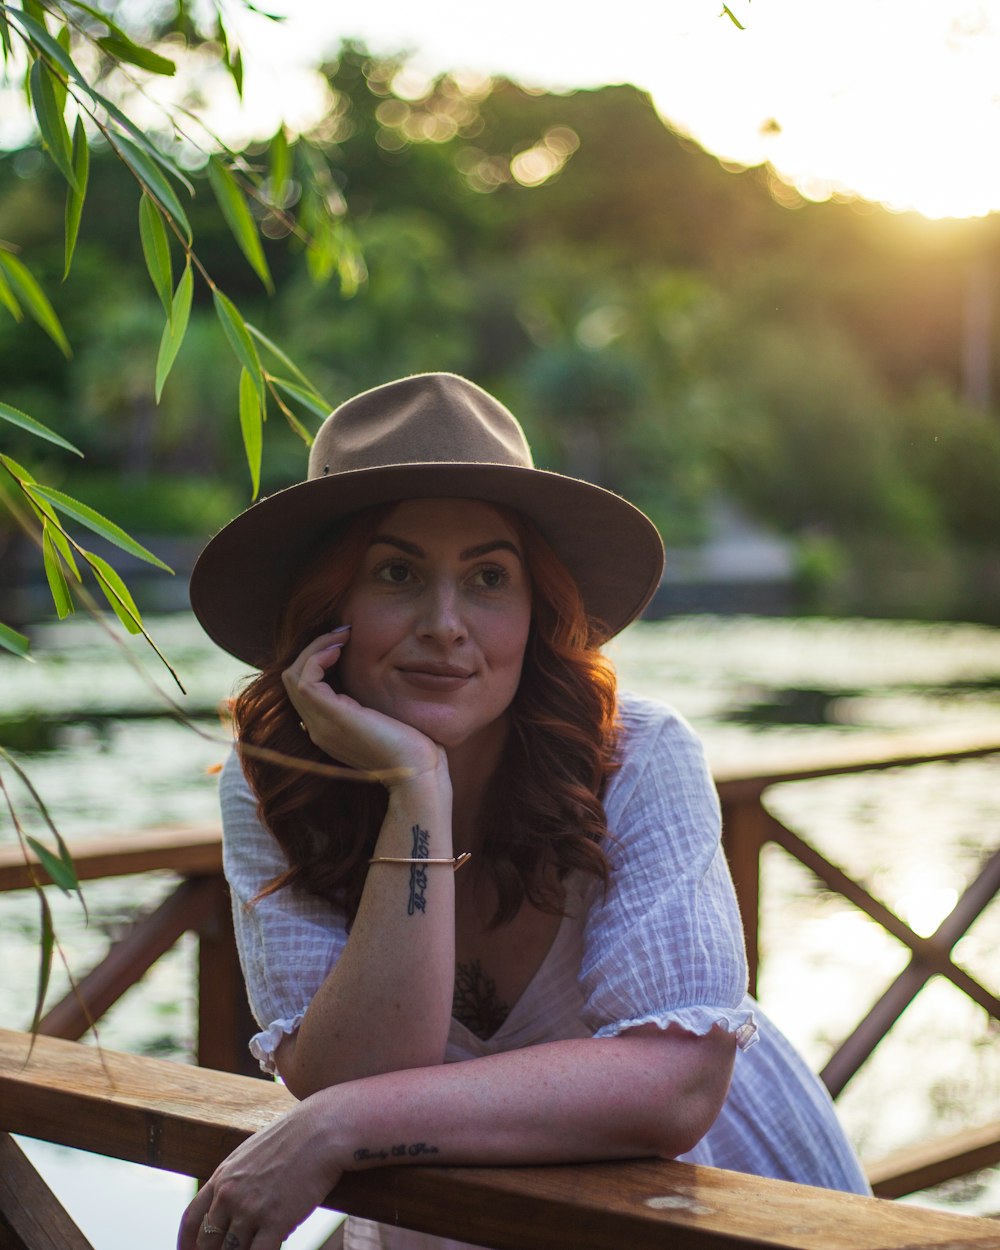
[91, 733]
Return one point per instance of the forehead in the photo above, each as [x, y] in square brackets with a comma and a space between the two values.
[469, 520]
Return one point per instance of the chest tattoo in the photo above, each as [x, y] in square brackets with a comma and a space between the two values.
[476, 1004]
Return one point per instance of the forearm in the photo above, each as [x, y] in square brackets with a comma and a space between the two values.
[642, 1094]
[387, 1002]
[646, 1093]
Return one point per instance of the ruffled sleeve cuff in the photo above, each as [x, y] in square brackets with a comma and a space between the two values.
[263, 1045]
[698, 1020]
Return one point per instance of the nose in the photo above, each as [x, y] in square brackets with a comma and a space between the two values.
[441, 618]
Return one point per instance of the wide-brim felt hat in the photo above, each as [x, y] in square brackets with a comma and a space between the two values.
[433, 435]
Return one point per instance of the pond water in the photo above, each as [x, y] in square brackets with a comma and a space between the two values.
[107, 755]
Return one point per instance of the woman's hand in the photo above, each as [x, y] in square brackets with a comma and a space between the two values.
[267, 1186]
[357, 736]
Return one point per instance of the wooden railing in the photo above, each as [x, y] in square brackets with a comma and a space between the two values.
[749, 825]
[187, 1119]
[199, 904]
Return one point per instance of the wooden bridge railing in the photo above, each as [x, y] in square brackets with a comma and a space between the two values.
[199, 903]
[187, 1119]
[749, 825]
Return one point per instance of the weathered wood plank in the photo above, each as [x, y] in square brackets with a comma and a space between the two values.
[31, 1216]
[186, 1119]
[191, 851]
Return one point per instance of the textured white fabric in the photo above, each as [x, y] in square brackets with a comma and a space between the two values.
[663, 944]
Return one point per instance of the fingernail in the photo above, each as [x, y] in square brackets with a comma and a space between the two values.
[340, 629]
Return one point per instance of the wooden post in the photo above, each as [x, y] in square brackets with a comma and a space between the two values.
[744, 832]
[225, 1024]
[31, 1216]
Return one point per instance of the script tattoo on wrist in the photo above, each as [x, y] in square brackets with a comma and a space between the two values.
[418, 874]
[405, 1150]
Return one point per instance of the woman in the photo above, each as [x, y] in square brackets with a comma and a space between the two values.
[427, 608]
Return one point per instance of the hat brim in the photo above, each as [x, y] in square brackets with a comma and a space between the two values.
[242, 580]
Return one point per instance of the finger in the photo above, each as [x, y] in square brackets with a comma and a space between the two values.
[191, 1221]
[324, 645]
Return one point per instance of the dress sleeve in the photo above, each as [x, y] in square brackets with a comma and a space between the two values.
[289, 940]
[664, 944]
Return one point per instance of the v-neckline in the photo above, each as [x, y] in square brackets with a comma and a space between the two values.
[558, 937]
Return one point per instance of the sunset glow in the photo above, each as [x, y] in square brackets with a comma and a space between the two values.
[897, 101]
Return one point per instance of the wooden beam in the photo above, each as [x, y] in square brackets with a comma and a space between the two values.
[31, 1216]
[858, 754]
[191, 851]
[146, 940]
[186, 1119]
[931, 1163]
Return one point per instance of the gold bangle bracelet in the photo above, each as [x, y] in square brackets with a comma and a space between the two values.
[456, 863]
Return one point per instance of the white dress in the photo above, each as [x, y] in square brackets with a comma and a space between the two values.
[663, 945]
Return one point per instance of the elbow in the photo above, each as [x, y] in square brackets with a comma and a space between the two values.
[692, 1117]
[692, 1088]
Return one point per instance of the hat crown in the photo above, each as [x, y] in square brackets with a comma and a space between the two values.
[426, 419]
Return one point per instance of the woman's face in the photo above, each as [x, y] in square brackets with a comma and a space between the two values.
[440, 610]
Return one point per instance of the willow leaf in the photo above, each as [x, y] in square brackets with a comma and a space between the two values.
[52, 48]
[76, 194]
[11, 640]
[239, 219]
[122, 48]
[56, 577]
[58, 535]
[280, 171]
[156, 250]
[35, 300]
[5, 44]
[235, 66]
[8, 299]
[51, 122]
[152, 178]
[139, 139]
[287, 361]
[116, 592]
[306, 396]
[62, 874]
[16, 417]
[251, 427]
[36, 798]
[174, 330]
[48, 941]
[240, 341]
[93, 520]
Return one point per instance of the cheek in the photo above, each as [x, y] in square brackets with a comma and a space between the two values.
[508, 643]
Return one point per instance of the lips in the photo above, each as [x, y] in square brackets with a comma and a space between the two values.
[428, 675]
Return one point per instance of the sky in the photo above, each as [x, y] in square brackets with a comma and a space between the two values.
[895, 100]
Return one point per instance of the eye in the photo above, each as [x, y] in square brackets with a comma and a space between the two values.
[491, 577]
[396, 572]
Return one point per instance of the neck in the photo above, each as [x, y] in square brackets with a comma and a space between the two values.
[472, 766]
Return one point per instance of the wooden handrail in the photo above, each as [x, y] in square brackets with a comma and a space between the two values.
[185, 1119]
[192, 851]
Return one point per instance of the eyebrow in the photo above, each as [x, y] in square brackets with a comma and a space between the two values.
[470, 553]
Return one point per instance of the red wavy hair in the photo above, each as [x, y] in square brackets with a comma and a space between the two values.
[543, 811]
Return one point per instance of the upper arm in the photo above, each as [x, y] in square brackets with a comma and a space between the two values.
[664, 945]
[288, 941]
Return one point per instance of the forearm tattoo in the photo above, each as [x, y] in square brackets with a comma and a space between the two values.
[476, 1004]
[418, 875]
[404, 1150]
